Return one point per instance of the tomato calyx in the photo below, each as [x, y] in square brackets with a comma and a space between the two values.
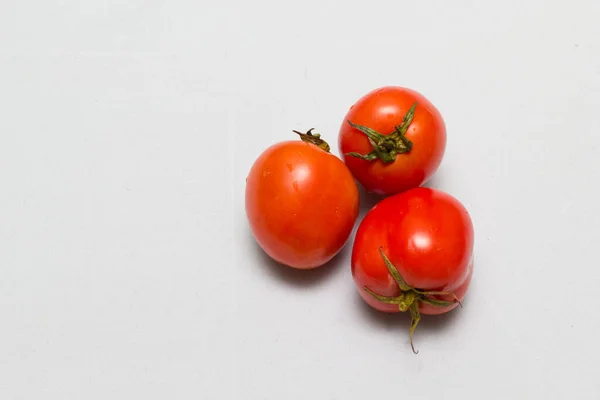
[313, 138]
[409, 298]
[387, 147]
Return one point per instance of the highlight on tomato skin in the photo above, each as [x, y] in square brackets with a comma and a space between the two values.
[392, 139]
[413, 252]
[301, 202]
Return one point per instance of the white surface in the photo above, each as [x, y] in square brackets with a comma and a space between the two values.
[127, 270]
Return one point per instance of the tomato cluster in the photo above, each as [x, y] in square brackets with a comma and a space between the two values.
[413, 251]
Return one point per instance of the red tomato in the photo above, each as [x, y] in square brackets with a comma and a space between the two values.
[413, 252]
[392, 139]
[301, 202]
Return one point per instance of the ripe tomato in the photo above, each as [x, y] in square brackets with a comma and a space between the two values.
[301, 202]
[392, 139]
[414, 251]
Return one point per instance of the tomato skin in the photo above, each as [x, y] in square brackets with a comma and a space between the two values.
[427, 235]
[301, 204]
[382, 110]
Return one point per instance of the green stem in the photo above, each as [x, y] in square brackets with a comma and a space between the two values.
[386, 147]
[394, 272]
[415, 317]
[384, 299]
[410, 298]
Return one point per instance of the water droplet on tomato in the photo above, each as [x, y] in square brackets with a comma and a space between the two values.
[290, 167]
[295, 185]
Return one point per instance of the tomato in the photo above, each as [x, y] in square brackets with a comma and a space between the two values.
[301, 202]
[413, 252]
[393, 139]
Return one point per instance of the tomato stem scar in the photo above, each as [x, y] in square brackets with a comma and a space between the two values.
[313, 138]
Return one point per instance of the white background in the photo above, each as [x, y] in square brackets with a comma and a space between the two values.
[127, 128]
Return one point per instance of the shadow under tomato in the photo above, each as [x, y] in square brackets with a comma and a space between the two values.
[436, 181]
[367, 201]
[400, 322]
[298, 277]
